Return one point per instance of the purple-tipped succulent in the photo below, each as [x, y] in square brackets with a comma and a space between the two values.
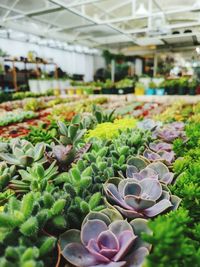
[135, 198]
[149, 124]
[139, 169]
[160, 146]
[177, 125]
[103, 243]
[167, 157]
[171, 131]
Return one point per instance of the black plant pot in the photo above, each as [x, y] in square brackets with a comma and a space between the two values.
[192, 91]
[125, 90]
[182, 90]
[109, 91]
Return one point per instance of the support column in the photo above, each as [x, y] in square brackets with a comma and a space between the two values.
[113, 70]
[155, 65]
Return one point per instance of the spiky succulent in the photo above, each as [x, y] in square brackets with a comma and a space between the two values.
[102, 242]
[22, 153]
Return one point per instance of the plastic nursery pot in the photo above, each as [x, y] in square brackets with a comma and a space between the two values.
[192, 91]
[126, 90]
[79, 91]
[182, 90]
[108, 91]
[70, 91]
[160, 91]
[139, 91]
[150, 91]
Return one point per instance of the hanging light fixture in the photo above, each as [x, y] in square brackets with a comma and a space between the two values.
[141, 11]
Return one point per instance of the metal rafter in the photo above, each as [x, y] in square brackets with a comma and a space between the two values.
[74, 7]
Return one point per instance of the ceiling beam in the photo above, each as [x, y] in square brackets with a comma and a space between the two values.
[75, 4]
[172, 26]
[128, 18]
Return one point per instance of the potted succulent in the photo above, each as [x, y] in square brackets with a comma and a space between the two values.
[125, 86]
[139, 88]
[151, 88]
[108, 87]
[192, 86]
[183, 86]
[160, 90]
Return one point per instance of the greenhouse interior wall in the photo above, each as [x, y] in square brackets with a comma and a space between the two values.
[69, 61]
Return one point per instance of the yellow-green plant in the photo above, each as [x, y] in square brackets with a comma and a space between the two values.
[110, 130]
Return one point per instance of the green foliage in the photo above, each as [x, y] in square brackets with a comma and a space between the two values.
[13, 117]
[40, 133]
[173, 240]
[35, 179]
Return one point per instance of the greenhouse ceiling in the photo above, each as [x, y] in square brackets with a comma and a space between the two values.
[124, 25]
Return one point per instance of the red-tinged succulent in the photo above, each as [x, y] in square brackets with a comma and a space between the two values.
[103, 243]
[135, 198]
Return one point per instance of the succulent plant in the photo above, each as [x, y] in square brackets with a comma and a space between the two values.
[6, 174]
[160, 146]
[73, 133]
[66, 155]
[149, 124]
[139, 168]
[34, 179]
[140, 198]
[102, 242]
[102, 116]
[171, 132]
[23, 153]
[167, 157]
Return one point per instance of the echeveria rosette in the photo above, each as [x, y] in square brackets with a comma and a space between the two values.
[135, 198]
[105, 243]
[167, 157]
[149, 124]
[160, 146]
[139, 168]
[170, 132]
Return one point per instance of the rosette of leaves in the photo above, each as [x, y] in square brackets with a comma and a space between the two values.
[71, 147]
[23, 154]
[140, 168]
[41, 133]
[160, 155]
[160, 146]
[6, 174]
[35, 178]
[104, 242]
[170, 132]
[102, 116]
[149, 125]
[144, 198]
